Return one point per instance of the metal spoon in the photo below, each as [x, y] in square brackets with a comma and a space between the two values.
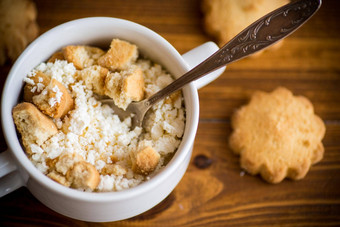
[262, 33]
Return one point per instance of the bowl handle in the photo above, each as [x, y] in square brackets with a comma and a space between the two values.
[199, 54]
[10, 178]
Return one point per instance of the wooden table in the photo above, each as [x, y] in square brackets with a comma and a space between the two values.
[218, 194]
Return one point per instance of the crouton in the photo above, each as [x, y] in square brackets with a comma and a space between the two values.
[115, 169]
[125, 86]
[56, 56]
[35, 85]
[82, 56]
[57, 177]
[54, 101]
[133, 85]
[146, 160]
[120, 55]
[34, 126]
[66, 161]
[94, 78]
[83, 175]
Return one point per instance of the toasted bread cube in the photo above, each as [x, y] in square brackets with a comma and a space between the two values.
[55, 101]
[34, 126]
[112, 87]
[133, 85]
[37, 84]
[94, 78]
[146, 160]
[120, 55]
[56, 56]
[82, 56]
[83, 175]
[125, 87]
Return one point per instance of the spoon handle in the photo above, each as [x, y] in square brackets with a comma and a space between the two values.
[262, 33]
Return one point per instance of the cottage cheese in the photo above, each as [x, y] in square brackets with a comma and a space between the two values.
[93, 131]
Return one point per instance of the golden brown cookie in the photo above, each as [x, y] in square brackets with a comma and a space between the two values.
[277, 135]
[224, 19]
[18, 27]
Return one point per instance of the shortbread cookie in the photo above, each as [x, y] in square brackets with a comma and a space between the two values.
[120, 55]
[224, 19]
[18, 27]
[277, 135]
[34, 126]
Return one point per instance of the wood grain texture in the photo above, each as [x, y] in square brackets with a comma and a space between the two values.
[220, 194]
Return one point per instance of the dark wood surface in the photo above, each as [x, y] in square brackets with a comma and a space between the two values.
[308, 63]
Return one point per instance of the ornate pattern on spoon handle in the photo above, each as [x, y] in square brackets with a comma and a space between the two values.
[267, 30]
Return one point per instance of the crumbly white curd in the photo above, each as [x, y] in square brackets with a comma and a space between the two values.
[93, 131]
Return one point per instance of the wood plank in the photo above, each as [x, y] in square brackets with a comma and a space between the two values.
[234, 89]
[215, 191]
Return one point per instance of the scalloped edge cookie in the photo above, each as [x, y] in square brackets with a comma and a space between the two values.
[224, 19]
[277, 135]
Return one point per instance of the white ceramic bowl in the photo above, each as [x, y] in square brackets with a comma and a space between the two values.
[16, 169]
